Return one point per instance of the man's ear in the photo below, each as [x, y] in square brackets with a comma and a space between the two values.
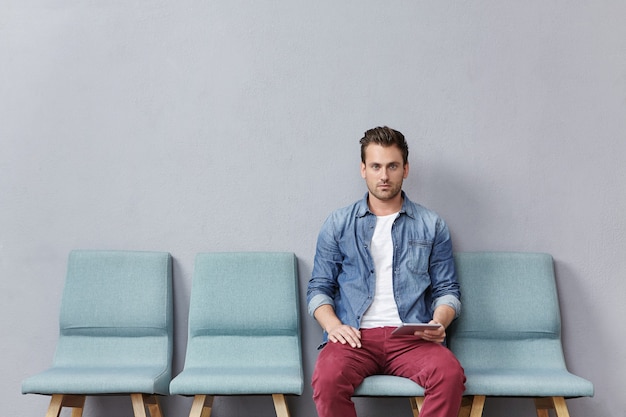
[406, 170]
[362, 170]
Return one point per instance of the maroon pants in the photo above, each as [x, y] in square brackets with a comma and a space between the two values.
[341, 368]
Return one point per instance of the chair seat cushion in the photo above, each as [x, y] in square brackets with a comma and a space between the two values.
[238, 381]
[526, 383]
[388, 386]
[92, 380]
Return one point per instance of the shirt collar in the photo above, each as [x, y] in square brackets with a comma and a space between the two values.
[363, 208]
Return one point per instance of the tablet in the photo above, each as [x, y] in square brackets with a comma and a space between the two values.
[407, 329]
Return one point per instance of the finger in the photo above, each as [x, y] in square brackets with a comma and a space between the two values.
[352, 336]
[352, 339]
[337, 338]
[341, 337]
[355, 343]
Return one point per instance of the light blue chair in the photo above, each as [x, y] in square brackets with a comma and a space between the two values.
[244, 330]
[396, 386]
[115, 332]
[508, 337]
[392, 386]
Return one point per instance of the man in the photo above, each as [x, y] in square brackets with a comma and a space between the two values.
[379, 262]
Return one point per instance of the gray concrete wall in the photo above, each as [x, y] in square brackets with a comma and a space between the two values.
[195, 126]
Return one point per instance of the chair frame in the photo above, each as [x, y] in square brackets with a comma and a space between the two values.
[471, 406]
[144, 404]
[202, 405]
[140, 403]
[543, 404]
[473, 401]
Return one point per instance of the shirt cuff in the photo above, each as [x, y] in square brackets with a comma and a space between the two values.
[448, 300]
[317, 301]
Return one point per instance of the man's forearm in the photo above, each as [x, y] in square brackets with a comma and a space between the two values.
[326, 317]
[336, 330]
[444, 314]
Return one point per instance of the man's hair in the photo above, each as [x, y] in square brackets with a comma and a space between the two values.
[385, 136]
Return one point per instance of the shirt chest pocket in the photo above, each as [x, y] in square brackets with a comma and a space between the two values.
[418, 257]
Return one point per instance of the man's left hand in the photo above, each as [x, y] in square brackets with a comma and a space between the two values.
[437, 336]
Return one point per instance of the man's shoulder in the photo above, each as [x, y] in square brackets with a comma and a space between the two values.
[357, 207]
[417, 210]
[346, 216]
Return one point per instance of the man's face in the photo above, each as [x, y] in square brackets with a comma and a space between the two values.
[384, 171]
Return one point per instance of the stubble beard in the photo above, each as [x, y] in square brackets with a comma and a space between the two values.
[387, 194]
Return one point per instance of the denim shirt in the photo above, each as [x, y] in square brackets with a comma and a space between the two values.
[423, 266]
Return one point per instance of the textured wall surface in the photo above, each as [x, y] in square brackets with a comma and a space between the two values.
[195, 126]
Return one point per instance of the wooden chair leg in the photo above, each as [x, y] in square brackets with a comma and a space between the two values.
[280, 404]
[152, 402]
[471, 406]
[560, 408]
[202, 406]
[54, 409]
[77, 412]
[544, 405]
[58, 401]
[143, 401]
[416, 405]
[466, 407]
[477, 406]
[139, 408]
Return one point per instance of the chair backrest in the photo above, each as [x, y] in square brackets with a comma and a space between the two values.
[244, 311]
[116, 310]
[510, 311]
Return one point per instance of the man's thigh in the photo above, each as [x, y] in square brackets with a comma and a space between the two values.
[336, 358]
[409, 358]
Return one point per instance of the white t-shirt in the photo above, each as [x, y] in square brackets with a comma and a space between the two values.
[383, 311]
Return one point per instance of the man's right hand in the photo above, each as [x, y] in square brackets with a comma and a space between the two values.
[345, 334]
[337, 331]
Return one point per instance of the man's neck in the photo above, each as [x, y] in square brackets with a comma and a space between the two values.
[384, 207]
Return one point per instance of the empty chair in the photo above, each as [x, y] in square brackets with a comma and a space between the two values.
[115, 332]
[244, 330]
[508, 337]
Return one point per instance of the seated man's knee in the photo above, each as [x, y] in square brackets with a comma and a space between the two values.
[333, 381]
[453, 375]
